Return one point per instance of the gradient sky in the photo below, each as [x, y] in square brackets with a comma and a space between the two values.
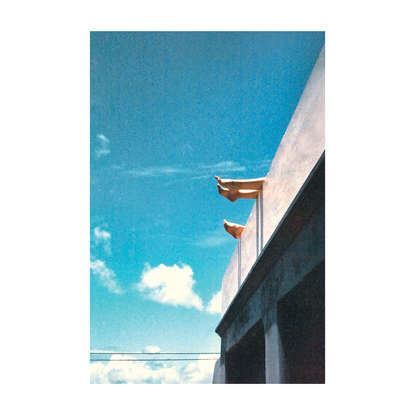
[169, 111]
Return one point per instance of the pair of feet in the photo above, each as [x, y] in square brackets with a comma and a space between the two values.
[234, 190]
[239, 189]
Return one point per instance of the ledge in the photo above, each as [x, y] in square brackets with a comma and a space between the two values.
[309, 198]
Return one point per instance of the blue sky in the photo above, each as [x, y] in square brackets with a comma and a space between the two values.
[169, 111]
[45, 209]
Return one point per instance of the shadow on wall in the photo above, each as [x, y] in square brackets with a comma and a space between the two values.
[301, 321]
[245, 362]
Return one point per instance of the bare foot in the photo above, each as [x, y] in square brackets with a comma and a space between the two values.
[233, 228]
[253, 184]
[234, 195]
[227, 193]
[219, 180]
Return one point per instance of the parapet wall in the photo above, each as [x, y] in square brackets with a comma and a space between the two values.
[299, 151]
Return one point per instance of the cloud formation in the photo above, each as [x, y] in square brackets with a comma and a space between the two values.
[212, 239]
[157, 171]
[152, 349]
[103, 238]
[225, 166]
[170, 285]
[201, 171]
[215, 304]
[195, 171]
[103, 144]
[131, 372]
[105, 275]
[199, 372]
[136, 372]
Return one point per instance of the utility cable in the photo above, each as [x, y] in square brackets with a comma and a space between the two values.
[157, 353]
[144, 360]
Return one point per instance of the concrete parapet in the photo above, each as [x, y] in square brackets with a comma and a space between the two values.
[272, 327]
[299, 151]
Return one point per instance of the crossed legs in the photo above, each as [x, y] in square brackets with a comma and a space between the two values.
[239, 189]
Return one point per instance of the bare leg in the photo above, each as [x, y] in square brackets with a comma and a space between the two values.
[233, 228]
[254, 184]
[247, 194]
[234, 195]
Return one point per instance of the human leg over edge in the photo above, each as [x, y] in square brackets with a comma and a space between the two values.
[251, 184]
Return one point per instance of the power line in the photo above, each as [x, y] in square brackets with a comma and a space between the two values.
[144, 360]
[142, 353]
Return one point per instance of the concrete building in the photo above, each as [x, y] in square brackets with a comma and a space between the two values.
[273, 292]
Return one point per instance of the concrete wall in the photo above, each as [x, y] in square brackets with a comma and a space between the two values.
[277, 269]
[300, 149]
[219, 375]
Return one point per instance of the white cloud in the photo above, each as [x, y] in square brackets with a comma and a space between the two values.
[157, 171]
[199, 372]
[199, 171]
[225, 166]
[213, 238]
[212, 241]
[105, 275]
[103, 142]
[192, 171]
[215, 304]
[101, 235]
[132, 372]
[170, 285]
[103, 238]
[135, 372]
[97, 373]
[254, 165]
[152, 349]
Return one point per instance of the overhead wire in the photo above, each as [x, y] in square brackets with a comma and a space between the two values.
[144, 360]
[154, 353]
